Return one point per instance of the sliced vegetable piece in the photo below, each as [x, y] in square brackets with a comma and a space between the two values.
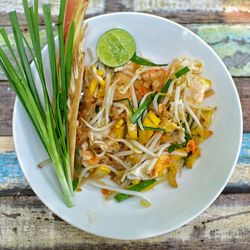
[135, 182]
[105, 192]
[100, 172]
[154, 129]
[148, 123]
[172, 177]
[175, 146]
[154, 118]
[160, 166]
[129, 103]
[164, 89]
[168, 125]
[93, 86]
[145, 135]
[166, 86]
[138, 113]
[192, 158]
[139, 187]
[119, 129]
[131, 128]
[191, 146]
[116, 47]
[142, 61]
[182, 71]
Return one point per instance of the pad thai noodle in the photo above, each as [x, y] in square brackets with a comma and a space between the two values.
[140, 125]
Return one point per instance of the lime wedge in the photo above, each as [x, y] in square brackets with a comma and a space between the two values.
[116, 47]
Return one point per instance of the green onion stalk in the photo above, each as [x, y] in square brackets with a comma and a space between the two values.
[48, 116]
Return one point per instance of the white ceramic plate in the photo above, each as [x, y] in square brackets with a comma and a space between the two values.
[161, 40]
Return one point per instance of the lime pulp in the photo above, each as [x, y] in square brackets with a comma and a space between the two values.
[116, 47]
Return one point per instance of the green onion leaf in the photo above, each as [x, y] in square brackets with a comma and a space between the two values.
[129, 103]
[188, 137]
[154, 129]
[52, 51]
[138, 187]
[176, 146]
[182, 72]
[139, 112]
[167, 84]
[145, 62]
[164, 89]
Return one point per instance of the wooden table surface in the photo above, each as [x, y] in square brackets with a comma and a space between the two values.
[25, 223]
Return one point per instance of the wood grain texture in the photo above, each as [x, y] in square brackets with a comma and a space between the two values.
[95, 7]
[6, 144]
[198, 5]
[243, 87]
[7, 98]
[27, 224]
[186, 11]
[182, 11]
[12, 181]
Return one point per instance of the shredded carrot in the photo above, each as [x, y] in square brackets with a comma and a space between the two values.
[105, 192]
[191, 146]
[192, 158]
[142, 90]
[94, 160]
[160, 166]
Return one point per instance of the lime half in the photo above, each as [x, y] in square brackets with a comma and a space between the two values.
[116, 47]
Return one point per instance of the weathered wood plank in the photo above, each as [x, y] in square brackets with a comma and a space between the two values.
[199, 11]
[245, 150]
[201, 5]
[7, 97]
[6, 144]
[182, 11]
[26, 223]
[12, 181]
[96, 7]
[243, 87]
[231, 42]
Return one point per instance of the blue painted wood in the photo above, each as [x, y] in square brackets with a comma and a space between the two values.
[245, 149]
[11, 173]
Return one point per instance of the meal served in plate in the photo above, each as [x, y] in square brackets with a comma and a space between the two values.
[141, 124]
[122, 118]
